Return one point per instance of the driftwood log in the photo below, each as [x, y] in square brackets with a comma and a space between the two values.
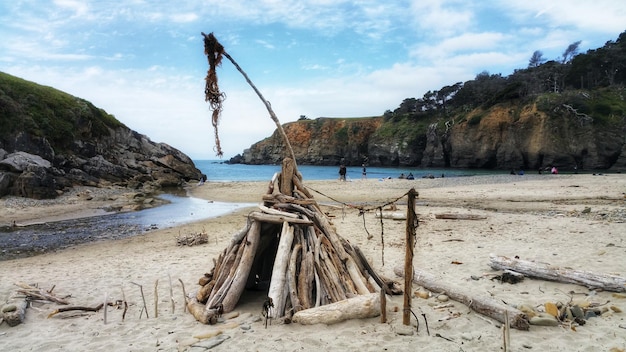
[358, 307]
[290, 249]
[14, 311]
[449, 216]
[554, 273]
[484, 305]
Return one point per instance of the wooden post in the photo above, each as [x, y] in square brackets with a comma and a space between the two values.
[286, 176]
[383, 306]
[408, 257]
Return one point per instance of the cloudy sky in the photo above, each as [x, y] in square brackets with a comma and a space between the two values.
[143, 60]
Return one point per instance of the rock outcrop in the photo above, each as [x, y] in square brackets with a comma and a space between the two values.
[51, 141]
[506, 136]
[323, 141]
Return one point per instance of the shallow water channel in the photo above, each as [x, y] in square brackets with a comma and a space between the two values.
[19, 242]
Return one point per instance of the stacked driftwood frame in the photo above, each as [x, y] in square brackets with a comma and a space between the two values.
[290, 243]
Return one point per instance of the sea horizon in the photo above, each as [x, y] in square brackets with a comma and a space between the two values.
[220, 171]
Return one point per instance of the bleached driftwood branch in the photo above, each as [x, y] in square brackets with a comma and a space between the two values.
[484, 305]
[554, 273]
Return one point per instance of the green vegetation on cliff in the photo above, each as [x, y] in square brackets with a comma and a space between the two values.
[47, 112]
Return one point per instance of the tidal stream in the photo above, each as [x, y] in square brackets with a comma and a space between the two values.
[26, 241]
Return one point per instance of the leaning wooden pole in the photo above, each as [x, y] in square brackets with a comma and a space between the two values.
[267, 104]
[408, 257]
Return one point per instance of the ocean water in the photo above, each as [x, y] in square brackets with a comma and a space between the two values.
[218, 171]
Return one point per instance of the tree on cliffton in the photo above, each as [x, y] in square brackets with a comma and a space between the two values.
[570, 52]
[536, 59]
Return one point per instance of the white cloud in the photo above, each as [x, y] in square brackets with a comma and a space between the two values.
[464, 43]
[440, 18]
[606, 16]
[184, 17]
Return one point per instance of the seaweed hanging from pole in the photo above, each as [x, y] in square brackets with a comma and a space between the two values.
[214, 50]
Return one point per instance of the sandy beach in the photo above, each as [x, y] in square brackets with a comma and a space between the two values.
[569, 221]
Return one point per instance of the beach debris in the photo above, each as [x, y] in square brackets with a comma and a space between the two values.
[484, 305]
[192, 239]
[212, 342]
[391, 215]
[544, 319]
[510, 277]
[443, 298]
[268, 306]
[450, 216]
[358, 307]
[422, 294]
[14, 311]
[546, 271]
[118, 304]
[33, 293]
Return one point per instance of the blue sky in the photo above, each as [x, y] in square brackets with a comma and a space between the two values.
[143, 60]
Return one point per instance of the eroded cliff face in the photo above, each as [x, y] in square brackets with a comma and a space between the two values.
[503, 137]
[529, 139]
[323, 141]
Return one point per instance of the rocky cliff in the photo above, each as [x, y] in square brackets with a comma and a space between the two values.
[50, 141]
[323, 141]
[547, 130]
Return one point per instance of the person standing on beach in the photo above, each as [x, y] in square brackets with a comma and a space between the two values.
[364, 174]
[342, 172]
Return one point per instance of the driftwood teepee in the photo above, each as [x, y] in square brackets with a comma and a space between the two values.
[290, 243]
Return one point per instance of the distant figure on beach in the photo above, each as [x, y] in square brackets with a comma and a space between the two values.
[364, 174]
[202, 180]
[410, 176]
[521, 172]
[554, 170]
[342, 172]
[402, 176]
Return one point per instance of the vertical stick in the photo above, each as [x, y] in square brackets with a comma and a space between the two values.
[408, 258]
[506, 335]
[383, 306]
[171, 292]
[125, 304]
[184, 296]
[156, 299]
[106, 297]
[145, 307]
